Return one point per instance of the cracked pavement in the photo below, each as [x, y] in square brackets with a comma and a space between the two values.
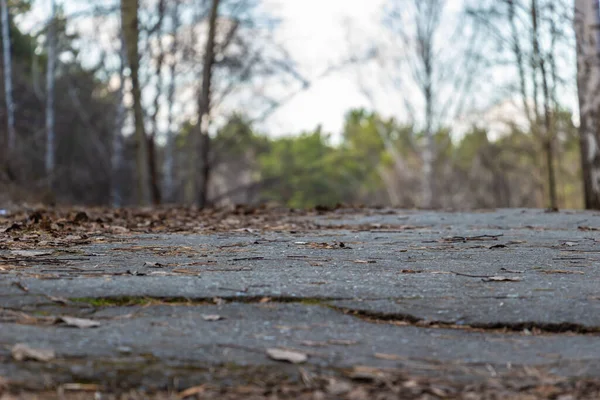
[436, 294]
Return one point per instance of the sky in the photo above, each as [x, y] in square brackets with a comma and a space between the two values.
[320, 34]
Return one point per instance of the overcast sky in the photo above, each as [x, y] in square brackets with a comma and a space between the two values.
[319, 34]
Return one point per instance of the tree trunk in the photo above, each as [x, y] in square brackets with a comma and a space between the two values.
[116, 159]
[200, 166]
[8, 93]
[170, 148]
[50, 80]
[154, 181]
[159, 59]
[587, 31]
[548, 138]
[129, 23]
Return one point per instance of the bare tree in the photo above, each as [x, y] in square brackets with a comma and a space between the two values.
[130, 26]
[8, 91]
[539, 60]
[50, 80]
[532, 43]
[587, 31]
[442, 75]
[116, 159]
[170, 147]
[199, 168]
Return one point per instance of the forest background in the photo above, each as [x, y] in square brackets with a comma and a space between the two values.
[462, 104]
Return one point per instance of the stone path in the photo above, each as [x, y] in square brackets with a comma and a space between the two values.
[462, 297]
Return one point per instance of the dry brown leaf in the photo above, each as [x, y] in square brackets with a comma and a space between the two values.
[192, 391]
[80, 322]
[385, 356]
[294, 357]
[21, 352]
[265, 300]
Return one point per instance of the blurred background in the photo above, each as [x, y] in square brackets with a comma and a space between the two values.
[457, 104]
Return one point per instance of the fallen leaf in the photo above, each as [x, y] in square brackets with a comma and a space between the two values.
[385, 356]
[153, 264]
[312, 343]
[365, 261]
[294, 357]
[21, 352]
[502, 279]
[81, 387]
[59, 300]
[30, 253]
[264, 300]
[212, 317]
[194, 390]
[80, 322]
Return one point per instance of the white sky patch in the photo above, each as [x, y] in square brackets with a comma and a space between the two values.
[315, 32]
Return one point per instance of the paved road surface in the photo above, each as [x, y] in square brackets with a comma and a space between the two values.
[466, 296]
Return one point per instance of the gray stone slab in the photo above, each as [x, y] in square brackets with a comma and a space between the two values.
[177, 336]
[400, 270]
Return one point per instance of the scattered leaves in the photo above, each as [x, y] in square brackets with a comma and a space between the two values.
[80, 322]
[22, 352]
[294, 357]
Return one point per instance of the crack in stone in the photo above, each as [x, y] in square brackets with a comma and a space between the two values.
[526, 327]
